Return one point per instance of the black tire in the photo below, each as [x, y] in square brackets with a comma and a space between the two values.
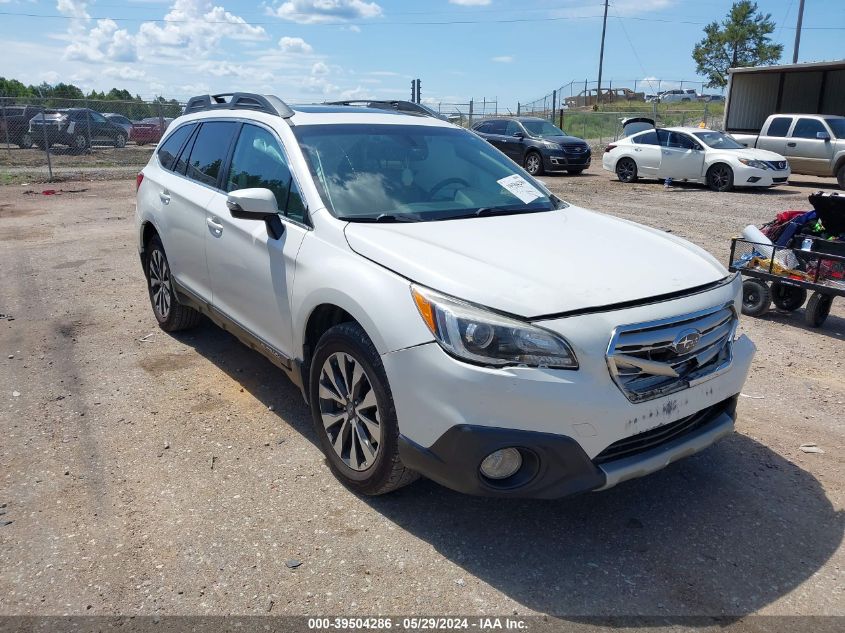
[25, 141]
[534, 164]
[818, 307]
[79, 142]
[120, 140]
[840, 176]
[170, 314]
[756, 297]
[574, 172]
[387, 472]
[626, 170]
[788, 297]
[720, 177]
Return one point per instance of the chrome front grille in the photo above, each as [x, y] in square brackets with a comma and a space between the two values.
[649, 360]
[777, 165]
[575, 148]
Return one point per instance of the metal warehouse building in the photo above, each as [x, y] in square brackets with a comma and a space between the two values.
[755, 93]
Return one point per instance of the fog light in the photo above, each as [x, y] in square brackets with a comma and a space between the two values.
[501, 464]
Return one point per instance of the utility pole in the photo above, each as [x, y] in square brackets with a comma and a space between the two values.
[601, 56]
[798, 32]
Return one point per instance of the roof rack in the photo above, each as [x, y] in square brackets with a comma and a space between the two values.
[408, 107]
[239, 101]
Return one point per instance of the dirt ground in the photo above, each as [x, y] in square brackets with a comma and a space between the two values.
[144, 473]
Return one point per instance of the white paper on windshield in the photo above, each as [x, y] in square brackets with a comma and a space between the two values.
[521, 188]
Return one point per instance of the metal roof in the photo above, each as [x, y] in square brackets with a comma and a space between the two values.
[834, 65]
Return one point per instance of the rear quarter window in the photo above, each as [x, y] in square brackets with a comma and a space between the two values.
[779, 126]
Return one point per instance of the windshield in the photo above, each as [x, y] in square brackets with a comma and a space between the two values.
[837, 126]
[718, 140]
[415, 172]
[542, 128]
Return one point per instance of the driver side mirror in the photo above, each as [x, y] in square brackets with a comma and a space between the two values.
[823, 136]
[518, 135]
[257, 204]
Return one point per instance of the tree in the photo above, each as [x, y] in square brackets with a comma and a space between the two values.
[742, 39]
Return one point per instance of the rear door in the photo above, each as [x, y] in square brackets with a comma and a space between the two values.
[775, 135]
[681, 157]
[251, 272]
[647, 154]
[806, 152]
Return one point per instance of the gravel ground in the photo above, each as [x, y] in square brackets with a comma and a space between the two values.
[143, 473]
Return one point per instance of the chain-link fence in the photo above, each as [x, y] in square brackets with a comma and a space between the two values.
[465, 114]
[67, 137]
[585, 94]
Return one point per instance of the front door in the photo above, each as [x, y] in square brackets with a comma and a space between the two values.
[252, 273]
[806, 153]
[681, 157]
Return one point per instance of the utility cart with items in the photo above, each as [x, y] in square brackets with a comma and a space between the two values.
[799, 253]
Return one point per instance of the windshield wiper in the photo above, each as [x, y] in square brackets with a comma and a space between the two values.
[381, 217]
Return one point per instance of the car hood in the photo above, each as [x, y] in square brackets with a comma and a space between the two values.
[538, 264]
[757, 154]
[564, 139]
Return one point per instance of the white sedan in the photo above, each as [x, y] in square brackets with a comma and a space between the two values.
[694, 155]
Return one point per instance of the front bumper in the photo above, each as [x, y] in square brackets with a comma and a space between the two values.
[452, 414]
[753, 177]
[560, 161]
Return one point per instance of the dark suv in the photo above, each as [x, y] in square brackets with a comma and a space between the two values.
[14, 122]
[78, 128]
[536, 144]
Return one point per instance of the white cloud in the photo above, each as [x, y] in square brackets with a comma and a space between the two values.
[502, 59]
[295, 45]
[319, 69]
[321, 11]
[73, 8]
[471, 3]
[127, 73]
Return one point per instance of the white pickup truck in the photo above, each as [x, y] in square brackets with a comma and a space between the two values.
[814, 144]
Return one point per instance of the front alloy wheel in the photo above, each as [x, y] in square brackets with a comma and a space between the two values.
[350, 411]
[720, 177]
[534, 164]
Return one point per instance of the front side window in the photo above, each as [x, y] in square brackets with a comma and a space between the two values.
[676, 140]
[96, 117]
[513, 128]
[542, 129]
[258, 161]
[779, 127]
[209, 151]
[807, 128]
[414, 172]
[169, 150]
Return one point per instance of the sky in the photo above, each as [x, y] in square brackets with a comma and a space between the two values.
[314, 50]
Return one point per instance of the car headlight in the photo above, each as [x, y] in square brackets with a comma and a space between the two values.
[550, 145]
[757, 164]
[480, 336]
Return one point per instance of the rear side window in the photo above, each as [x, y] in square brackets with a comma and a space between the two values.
[209, 151]
[169, 150]
[807, 128]
[779, 126]
[259, 161]
[649, 138]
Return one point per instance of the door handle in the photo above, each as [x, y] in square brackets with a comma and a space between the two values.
[164, 196]
[791, 144]
[215, 226]
[637, 149]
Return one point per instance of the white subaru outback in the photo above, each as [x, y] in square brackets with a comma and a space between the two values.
[443, 313]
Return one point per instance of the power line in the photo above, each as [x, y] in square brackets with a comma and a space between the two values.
[378, 23]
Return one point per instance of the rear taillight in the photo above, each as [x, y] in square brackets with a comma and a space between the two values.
[609, 147]
[138, 180]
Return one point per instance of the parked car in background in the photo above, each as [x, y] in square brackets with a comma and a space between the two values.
[77, 128]
[609, 95]
[14, 124]
[150, 130]
[536, 144]
[678, 96]
[694, 155]
[814, 144]
[712, 98]
[122, 121]
[435, 303]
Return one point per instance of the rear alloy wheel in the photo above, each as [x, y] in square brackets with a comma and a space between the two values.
[80, 142]
[120, 141]
[788, 297]
[170, 314]
[26, 141]
[626, 170]
[818, 308]
[534, 164]
[756, 297]
[720, 177]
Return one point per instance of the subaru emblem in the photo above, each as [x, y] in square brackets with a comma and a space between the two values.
[686, 341]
